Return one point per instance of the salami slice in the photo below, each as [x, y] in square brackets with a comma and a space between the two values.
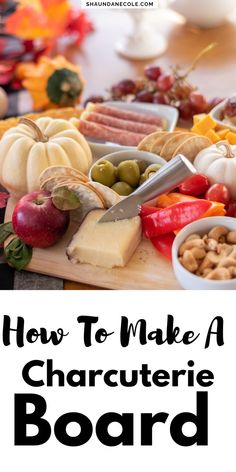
[125, 114]
[143, 128]
[106, 133]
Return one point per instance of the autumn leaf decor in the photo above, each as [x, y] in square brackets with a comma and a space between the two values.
[47, 20]
[52, 83]
[3, 199]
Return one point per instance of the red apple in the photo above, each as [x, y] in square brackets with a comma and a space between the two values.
[37, 221]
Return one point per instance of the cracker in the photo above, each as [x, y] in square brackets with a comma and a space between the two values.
[192, 146]
[147, 142]
[57, 171]
[88, 198]
[109, 196]
[161, 141]
[173, 143]
[52, 182]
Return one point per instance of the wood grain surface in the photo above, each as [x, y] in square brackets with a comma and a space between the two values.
[146, 269]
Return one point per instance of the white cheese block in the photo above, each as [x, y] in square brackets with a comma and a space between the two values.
[105, 244]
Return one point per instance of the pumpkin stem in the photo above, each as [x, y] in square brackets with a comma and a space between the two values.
[40, 137]
[227, 149]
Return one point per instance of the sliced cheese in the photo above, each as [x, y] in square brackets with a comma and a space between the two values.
[223, 132]
[105, 244]
[198, 118]
[231, 137]
[204, 125]
[213, 136]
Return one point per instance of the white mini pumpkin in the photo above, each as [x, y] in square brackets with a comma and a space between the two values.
[218, 162]
[30, 147]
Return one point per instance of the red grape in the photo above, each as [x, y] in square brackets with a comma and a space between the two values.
[144, 96]
[198, 102]
[196, 185]
[185, 110]
[213, 102]
[231, 209]
[161, 98]
[165, 82]
[94, 99]
[153, 72]
[124, 87]
[218, 193]
[230, 107]
[182, 90]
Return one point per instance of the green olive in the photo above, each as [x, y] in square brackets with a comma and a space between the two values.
[104, 172]
[128, 171]
[142, 179]
[122, 188]
[142, 166]
[151, 170]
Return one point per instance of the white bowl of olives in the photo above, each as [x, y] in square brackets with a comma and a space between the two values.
[124, 171]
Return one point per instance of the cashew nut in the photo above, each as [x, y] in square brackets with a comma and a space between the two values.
[212, 256]
[231, 237]
[224, 249]
[211, 244]
[219, 274]
[206, 264]
[232, 271]
[217, 232]
[206, 272]
[198, 252]
[227, 262]
[189, 261]
[193, 236]
[190, 244]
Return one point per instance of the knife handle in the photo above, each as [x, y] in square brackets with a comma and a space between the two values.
[166, 179]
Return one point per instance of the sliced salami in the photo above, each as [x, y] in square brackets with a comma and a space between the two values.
[143, 128]
[125, 114]
[106, 133]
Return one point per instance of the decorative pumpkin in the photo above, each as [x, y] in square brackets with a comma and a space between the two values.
[3, 103]
[218, 162]
[31, 147]
[52, 83]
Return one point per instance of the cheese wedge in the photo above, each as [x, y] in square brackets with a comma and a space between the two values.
[105, 244]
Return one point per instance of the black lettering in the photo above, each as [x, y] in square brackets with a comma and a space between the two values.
[200, 420]
[88, 321]
[147, 423]
[26, 375]
[129, 328]
[19, 330]
[73, 417]
[126, 437]
[218, 320]
[22, 419]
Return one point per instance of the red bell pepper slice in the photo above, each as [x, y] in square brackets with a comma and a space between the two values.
[163, 244]
[147, 210]
[173, 217]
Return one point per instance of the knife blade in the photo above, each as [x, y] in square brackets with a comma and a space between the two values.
[166, 179]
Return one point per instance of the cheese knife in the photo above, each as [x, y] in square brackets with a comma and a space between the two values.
[166, 179]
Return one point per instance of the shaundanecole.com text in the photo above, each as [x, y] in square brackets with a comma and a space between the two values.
[119, 4]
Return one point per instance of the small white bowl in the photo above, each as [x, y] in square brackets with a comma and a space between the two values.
[167, 112]
[116, 157]
[191, 281]
[216, 113]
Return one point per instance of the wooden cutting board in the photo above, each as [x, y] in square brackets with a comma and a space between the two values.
[146, 270]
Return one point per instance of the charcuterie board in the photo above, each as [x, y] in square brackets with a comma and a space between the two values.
[147, 270]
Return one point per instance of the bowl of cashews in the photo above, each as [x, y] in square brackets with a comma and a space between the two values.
[204, 254]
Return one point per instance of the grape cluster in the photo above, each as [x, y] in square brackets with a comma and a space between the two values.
[157, 86]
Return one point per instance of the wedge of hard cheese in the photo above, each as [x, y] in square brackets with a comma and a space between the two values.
[105, 244]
